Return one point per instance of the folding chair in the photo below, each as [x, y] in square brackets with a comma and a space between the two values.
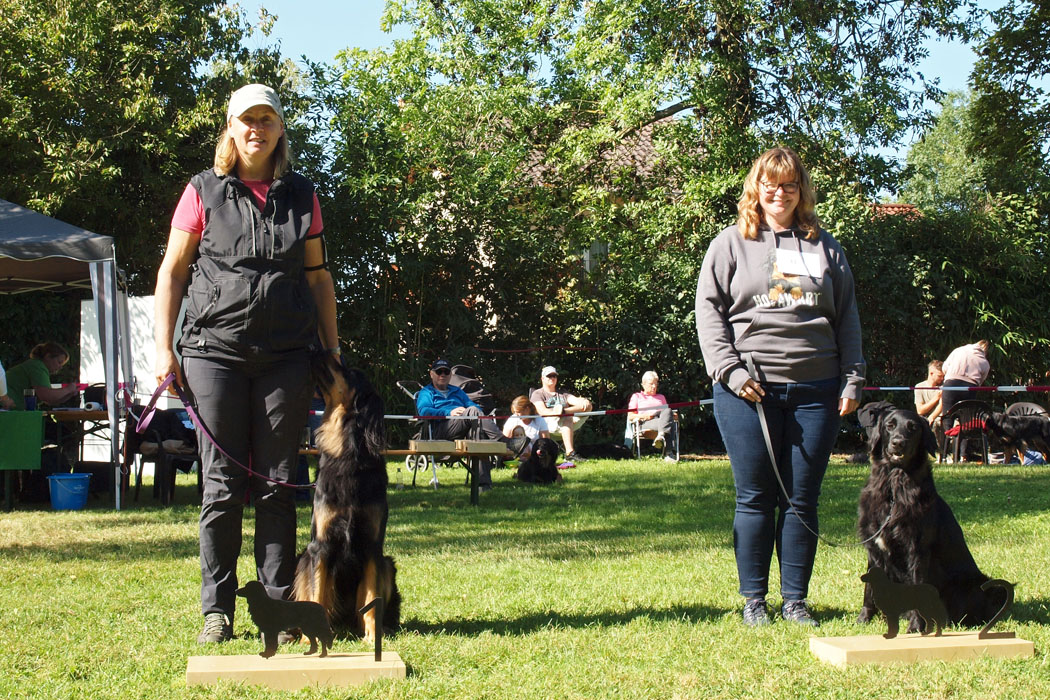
[965, 420]
[165, 461]
[637, 434]
[424, 431]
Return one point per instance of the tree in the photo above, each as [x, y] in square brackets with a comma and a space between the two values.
[943, 172]
[109, 109]
[106, 110]
[1012, 106]
[479, 159]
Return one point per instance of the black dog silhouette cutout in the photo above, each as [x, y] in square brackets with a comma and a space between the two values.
[272, 616]
[895, 599]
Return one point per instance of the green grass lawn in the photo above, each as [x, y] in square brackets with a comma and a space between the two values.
[619, 583]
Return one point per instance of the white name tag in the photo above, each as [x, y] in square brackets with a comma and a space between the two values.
[792, 262]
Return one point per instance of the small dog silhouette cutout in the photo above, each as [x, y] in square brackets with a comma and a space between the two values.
[895, 599]
[272, 615]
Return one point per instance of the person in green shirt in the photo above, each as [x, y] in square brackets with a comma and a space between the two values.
[5, 402]
[35, 373]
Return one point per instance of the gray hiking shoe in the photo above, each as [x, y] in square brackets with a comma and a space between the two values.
[798, 612]
[218, 627]
[755, 612]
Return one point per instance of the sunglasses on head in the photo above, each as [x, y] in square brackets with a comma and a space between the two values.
[442, 370]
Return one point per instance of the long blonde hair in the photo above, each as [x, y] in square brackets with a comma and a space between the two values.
[226, 155]
[777, 165]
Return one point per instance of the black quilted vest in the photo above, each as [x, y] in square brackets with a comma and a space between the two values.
[248, 296]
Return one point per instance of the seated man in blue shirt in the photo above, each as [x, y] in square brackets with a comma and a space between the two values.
[440, 398]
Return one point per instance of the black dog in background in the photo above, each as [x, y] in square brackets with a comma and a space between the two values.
[910, 531]
[343, 567]
[1021, 432]
[542, 465]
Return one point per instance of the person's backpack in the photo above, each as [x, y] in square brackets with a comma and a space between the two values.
[467, 379]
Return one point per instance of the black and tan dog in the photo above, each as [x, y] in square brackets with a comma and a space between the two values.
[343, 567]
[272, 615]
[910, 531]
[1021, 432]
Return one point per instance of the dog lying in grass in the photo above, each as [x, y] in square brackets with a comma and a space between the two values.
[344, 568]
[910, 532]
[272, 615]
[541, 465]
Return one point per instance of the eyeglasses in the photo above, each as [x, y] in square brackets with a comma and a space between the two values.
[553, 375]
[442, 371]
[788, 187]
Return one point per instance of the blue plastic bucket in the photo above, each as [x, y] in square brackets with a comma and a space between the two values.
[68, 491]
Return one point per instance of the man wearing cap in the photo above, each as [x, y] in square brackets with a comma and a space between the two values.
[558, 408]
[440, 398]
[246, 247]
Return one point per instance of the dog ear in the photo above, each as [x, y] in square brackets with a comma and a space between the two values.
[369, 408]
[875, 439]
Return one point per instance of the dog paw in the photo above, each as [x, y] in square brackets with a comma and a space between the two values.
[865, 615]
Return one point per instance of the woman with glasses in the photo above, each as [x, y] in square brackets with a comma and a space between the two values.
[777, 318]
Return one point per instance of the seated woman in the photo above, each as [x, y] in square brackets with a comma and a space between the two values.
[645, 410]
[35, 373]
[524, 422]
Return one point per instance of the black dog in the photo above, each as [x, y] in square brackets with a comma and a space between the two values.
[1021, 432]
[343, 567]
[541, 466]
[895, 599]
[271, 615]
[909, 530]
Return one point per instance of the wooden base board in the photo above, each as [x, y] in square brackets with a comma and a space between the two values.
[295, 671]
[906, 648]
[481, 447]
[432, 446]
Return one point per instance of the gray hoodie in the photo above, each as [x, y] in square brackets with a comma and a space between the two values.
[787, 301]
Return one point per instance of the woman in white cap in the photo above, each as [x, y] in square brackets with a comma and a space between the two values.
[247, 243]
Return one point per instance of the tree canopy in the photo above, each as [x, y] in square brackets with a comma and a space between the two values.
[520, 183]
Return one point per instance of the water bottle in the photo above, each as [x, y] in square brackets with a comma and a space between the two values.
[400, 479]
[29, 396]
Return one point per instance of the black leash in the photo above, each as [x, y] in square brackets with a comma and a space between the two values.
[776, 472]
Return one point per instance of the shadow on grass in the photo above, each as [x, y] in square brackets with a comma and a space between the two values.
[532, 623]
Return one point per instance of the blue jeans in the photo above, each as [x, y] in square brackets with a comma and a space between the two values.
[803, 423]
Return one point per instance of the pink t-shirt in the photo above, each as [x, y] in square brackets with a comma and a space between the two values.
[189, 213]
[646, 403]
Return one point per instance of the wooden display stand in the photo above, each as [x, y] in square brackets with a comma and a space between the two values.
[907, 648]
[295, 671]
[432, 446]
[481, 447]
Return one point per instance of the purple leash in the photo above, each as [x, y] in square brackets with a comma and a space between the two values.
[150, 411]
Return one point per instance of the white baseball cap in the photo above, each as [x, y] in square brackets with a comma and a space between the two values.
[547, 371]
[251, 95]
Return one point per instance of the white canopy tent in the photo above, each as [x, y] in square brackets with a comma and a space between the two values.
[41, 253]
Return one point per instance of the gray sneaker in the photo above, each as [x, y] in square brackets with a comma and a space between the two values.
[755, 612]
[218, 627]
[798, 612]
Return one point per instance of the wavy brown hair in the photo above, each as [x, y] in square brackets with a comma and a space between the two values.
[777, 165]
[48, 349]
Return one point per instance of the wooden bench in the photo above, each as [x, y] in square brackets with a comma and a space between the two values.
[472, 451]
